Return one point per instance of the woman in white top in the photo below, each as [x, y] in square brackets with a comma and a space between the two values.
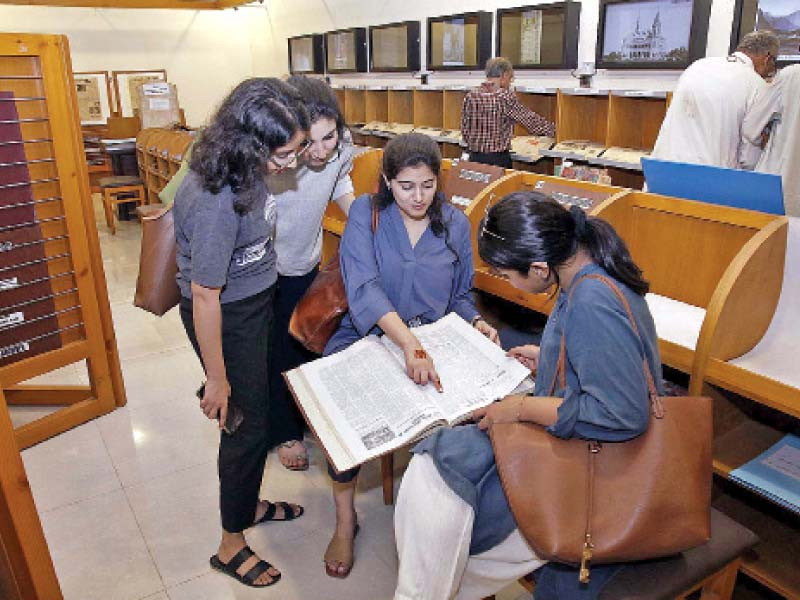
[302, 195]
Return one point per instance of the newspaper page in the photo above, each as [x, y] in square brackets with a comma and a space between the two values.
[531, 37]
[473, 371]
[90, 107]
[367, 399]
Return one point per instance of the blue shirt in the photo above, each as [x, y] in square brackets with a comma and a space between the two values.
[384, 273]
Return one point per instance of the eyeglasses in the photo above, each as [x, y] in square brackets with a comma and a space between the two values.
[484, 229]
[284, 161]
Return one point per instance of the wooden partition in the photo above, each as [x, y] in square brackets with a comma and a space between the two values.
[341, 99]
[428, 108]
[401, 106]
[53, 301]
[377, 105]
[26, 569]
[590, 196]
[686, 250]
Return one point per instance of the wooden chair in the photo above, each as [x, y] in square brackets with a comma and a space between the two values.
[119, 190]
[710, 569]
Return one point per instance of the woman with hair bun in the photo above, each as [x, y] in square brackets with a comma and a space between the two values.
[456, 535]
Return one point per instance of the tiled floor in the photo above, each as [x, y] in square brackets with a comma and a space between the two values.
[129, 501]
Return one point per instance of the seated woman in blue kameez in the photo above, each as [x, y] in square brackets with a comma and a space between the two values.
[414, 269]
[456, 535]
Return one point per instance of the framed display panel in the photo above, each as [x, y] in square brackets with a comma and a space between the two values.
[460, 42]
[307, 54]
[394, 47]
[126, 84]
[93, 89]
[651, 34]
[543, 36]
[346, 50]
[54, 308]
[781, 17]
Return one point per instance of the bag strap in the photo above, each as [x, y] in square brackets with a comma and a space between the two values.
[376, 216]
[560, 375]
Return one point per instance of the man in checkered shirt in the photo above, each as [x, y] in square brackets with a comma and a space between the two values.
[489, 113]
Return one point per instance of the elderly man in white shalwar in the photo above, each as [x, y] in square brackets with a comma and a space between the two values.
[704, 121]
[779, 107]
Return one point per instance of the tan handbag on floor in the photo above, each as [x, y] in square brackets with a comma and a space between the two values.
[321, 309]
[156, 287]
[579, 501]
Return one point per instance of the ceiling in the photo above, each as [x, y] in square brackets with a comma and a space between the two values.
[184, 4]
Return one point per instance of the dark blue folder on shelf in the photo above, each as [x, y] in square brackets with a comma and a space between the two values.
[775, 473]
[729, 187]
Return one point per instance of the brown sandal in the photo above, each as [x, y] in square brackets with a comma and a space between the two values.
[340, 551]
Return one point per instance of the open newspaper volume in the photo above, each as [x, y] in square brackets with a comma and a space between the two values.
[361, 404]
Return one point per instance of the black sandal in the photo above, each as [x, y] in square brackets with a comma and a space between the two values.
[288, 512]
[250, 577]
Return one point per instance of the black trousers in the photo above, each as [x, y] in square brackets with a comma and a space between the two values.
[286, 421]
[242, 454]
[498, 159]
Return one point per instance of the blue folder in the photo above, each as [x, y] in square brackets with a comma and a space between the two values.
[715, 185]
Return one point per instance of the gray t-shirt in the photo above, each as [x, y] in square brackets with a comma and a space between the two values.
[302, 195]
[218, 247]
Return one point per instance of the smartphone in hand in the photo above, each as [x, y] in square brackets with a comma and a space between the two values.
[234, 417]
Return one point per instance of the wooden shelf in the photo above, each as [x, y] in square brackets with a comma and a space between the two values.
[428, 108]
[401, 106]
[340, 99]
[741, 444]
[634, 122]
[543, 104]
[355, 106]
[774, 561]
[453, 102]
[582, 117]
[376, 106]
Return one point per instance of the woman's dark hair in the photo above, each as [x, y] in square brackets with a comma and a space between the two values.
[528, 227]
[412, 150]
[258, 116]
[319, 99]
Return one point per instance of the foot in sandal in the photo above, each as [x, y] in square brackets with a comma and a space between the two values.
[340, 554]
[246, 567]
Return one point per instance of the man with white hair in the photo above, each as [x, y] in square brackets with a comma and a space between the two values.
[714, 95]
[779, 108]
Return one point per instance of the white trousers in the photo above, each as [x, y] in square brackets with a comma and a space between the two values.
[433, 529]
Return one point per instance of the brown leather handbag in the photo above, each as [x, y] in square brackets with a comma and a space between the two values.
[579, 501]
[321, 309]
[156, 287]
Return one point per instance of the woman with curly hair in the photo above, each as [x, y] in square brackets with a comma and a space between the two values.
[224, 227]
[414, 269]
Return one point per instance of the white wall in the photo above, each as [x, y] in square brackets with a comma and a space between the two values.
[205, 53]
[283, 19]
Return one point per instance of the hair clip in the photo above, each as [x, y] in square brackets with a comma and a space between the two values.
[484, 229]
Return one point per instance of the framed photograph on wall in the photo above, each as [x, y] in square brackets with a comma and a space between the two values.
[781, 17]
[126, 84]
[93, 89]
[651, 34]
[394, 47]
[307, 54]
[346, 50]
[543, 36]
[460, 42]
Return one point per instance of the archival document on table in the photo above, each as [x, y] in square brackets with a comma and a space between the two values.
[361, 404]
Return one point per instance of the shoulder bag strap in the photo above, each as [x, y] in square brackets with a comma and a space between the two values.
[560, 374]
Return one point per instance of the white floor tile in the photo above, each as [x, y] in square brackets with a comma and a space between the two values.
[98, 550]
[165, 376]
[158, 439]
[70, 467]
